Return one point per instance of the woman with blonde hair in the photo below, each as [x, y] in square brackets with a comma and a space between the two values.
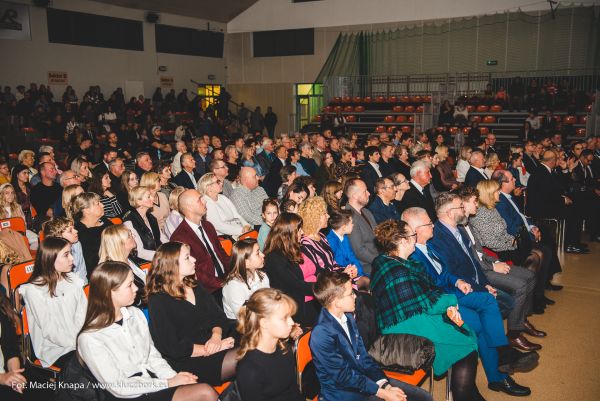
[175, 218]
[267, 368]
[446, 175]
[142, 223]
[116, 346]
[220, 211]
[9, 207]
[81, 166]
[188, 327]
[160, 208]
[462, 166]
[332, 194]
[117, 245]
[492, 163]
[70, 192]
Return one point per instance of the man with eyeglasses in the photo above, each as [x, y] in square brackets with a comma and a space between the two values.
[478, 309]
[220, 169]
[383, 207]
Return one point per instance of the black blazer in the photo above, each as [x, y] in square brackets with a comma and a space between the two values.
[183, 180]
[530, 163]
[264, 161]
[369, 176]
[288, 277]
[473, 177]
[414, 198]
[544, 194]
[150, 236]
[272, 180]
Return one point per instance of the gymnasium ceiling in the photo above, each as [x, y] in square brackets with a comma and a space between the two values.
[220, 11]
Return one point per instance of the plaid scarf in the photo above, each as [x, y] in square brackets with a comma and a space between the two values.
[401, 289]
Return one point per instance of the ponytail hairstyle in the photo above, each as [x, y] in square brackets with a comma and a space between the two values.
[105, 278]
[260, 306]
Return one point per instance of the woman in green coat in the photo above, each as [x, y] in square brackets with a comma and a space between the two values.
[408, 302]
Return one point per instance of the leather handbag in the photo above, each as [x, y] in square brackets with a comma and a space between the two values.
[403, 353]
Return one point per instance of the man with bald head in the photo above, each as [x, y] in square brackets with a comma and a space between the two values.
[212, 263]
[248, 197]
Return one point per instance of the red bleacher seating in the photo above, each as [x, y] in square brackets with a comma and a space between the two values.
[348, 109]
[581, 131]
[496, 108]
[388, 119]
[393, 99]
[420, 109]
[359, 109]
[367, 99]
[400, 119]
[482, 108]
[357, 99]
[380, 99]
[379, 129]
[582, 119]
[489, 120]
[406, 129]
[404, 99]
[391, 129]
[569, 120]
[346, 99]
[338, 109]
[398, 109]
[409, 109]
[350, 119]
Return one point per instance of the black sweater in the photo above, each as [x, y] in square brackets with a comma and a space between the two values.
[90, 242]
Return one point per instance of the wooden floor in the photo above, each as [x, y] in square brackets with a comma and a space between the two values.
[569, 368]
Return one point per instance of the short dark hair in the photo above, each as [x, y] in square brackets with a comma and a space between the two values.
[467, 193]
[443, 199]
[340, 218]
[370, 150]
[329, 286]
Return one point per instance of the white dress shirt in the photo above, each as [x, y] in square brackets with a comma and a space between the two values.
[235, 293]
[416, 185]
[196, 229]
[376, 167]
[115, 354]
[54, 322]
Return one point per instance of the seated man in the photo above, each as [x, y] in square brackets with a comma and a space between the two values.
[344, 368]
[382, 206]
[478, 309]
[248, 197]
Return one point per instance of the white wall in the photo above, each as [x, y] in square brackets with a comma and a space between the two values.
[30, 61]
[267, 15]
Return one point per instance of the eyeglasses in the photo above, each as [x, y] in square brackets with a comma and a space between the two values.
[401, 182]
[389, 187]
[218, 182]
[410, 236]
[352, 294]
[430, 224]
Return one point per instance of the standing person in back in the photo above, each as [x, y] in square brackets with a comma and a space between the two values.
[270, 121]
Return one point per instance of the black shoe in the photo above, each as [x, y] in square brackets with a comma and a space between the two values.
[510, 387]
[538, 310]
[554, 287]
[548, 301]
[517, 361]
[574, 249]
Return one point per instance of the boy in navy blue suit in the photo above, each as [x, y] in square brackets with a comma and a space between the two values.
[344, 368]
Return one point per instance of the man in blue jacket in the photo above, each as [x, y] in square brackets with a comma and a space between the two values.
[344, 368]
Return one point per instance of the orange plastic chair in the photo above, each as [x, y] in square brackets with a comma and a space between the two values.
[489, 119]
[388, 119]
[351, 119]
[409, 109]
[496, 108]
[359, 109]
[391, 129]
[227, 245]
[86, 290]
[415, 379]
[54, 371]
[400, 119]
[18, 274]
[116, 220]
[348, 109]
[357, 99]
[14, 223]
[250, 234]
[145, 267]
[222, 387]
[41, 236]
[398, 109]
[380, 129]
[482, 108]
[303, 358]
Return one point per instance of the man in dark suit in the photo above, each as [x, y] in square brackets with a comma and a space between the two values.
[529, 161]
[202, 158]
[476, 172]
[266, 157]
[419, 194]
[337, 346]
[546, 199]
[187, 177]
[490, 141]
[212, 263]
[585, 191]
[371, 173]
[108, 154]
[362, 237]
[273, 179]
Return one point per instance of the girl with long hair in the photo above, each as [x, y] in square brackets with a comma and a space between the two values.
[100, 184]
[9, 207]
[116, 346]
[245, 277]
[188, 327]
[11, 373]
[70, 192]
[282, 265]
[270, 211]
[20, 183]
[332, 195]
[129, 180]
[267, 369]
[55, 303]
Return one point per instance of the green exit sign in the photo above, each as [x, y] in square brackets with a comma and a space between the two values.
[491, 62]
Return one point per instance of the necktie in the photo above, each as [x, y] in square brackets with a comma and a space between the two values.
[466, 250]
[434, 258]
[215, 260]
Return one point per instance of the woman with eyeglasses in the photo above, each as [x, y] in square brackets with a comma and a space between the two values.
[401, 184]
[408, 302]
[220, 211]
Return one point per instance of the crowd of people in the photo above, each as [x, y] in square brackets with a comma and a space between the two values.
[442, 248]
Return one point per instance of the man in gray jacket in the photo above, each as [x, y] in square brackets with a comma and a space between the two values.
[362, 238]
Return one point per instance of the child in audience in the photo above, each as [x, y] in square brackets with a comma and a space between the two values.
[245, 277]
[64, 227]
[55, 303]
[12, 380]
[289, 206]
[344, 368]
[115, 344]
[9, 207]
[341, 225]
[270, 211]
[267, 368]
[187, 325]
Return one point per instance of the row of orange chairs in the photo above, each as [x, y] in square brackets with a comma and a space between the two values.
[382, 99]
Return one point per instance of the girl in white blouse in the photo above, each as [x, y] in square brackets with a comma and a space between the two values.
[220, 211]
[55, 303]
[116, 346]
[245, 276]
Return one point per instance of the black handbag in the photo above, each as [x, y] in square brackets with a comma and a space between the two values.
[78, 383]
[403, 353]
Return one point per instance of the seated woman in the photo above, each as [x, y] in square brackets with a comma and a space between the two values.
[117, 245]
[129, 180]
[267, 369]
[88, 214]
[142, 223]
[55, 303]
[446, 175]
[288, 175]
[245, 277]
[64, 227]
[20, 183]
[175, 218]
[492, 163]
[332, 195]
[220, 211]
[68, 194]
[282, 264]
[9, 207]
[100, 184]
[116, 346]
[12, 381]
[81, 166]
[188, 327]
[407, 301]
[160, 202]
[462, 166]
[296, 192]
[249, 158]
[270, 211]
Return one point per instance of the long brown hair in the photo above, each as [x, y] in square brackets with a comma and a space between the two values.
[105, 278]
[283, 237]
[260, 305]
[44, 272]
[164, 273]
[242, 250]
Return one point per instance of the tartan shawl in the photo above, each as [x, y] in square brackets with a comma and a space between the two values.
[401, 289]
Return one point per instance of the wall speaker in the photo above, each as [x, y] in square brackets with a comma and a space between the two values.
[152, 17]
